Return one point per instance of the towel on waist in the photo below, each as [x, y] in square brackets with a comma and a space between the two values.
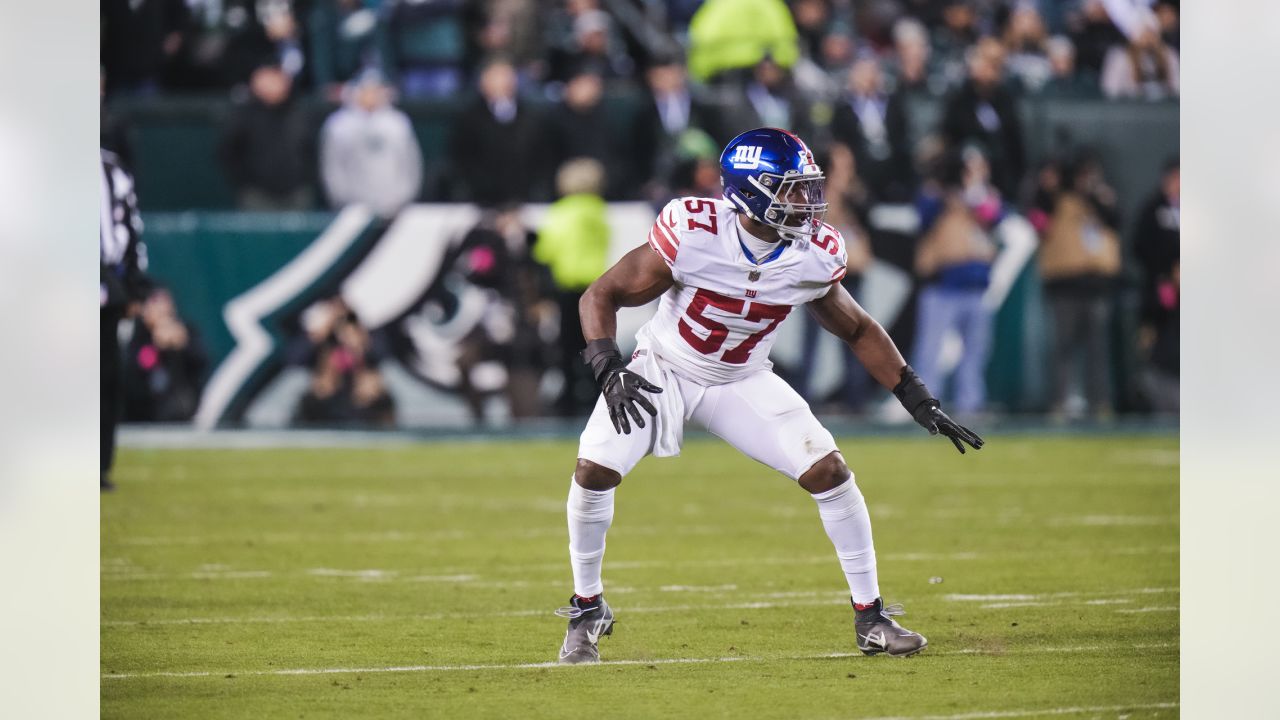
[669, 424]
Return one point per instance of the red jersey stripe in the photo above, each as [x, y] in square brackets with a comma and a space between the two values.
[839, 274]
[667, 230]
[667, 238]
[657, 244]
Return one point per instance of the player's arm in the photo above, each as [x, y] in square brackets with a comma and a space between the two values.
[843, 317]
[639, 277]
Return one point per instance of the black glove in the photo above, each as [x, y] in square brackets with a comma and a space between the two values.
[620, 386]
[927, 411]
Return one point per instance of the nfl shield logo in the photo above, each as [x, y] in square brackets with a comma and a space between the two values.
[754, 275]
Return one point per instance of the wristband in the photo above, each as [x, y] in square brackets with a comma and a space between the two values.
[604, 357]
[911, 391]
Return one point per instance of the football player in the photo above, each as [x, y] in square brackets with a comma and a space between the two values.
[727, 272]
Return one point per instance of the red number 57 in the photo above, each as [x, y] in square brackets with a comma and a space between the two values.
[717, 333]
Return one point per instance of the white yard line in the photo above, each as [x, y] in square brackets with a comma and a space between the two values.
[1036, 713]
[1162, 608]
[958, 597]
[607, 663]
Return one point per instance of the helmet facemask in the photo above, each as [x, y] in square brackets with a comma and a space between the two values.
[797, 202]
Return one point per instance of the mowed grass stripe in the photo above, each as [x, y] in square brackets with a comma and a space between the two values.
[793, 599]
[612, 663]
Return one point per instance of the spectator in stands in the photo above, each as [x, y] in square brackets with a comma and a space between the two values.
[873, 124]
[327, 401]
[983, 112]
[114, 131]
[512, 29]
[954, 38]
[1025, 44]
[164, 364]
[139, 37]
[579, 127]
[953, 262]
[1146, 68]
[267, 149]
[697, 172]
[494, 256]
[573, 242]
[837, 52]
[371, 403]
[727, 35]
[813, 20]
[593, 47]
[263, 32]
[909, 67]
[1064, 81]
[1079, 261]
[368, 152]
[1167, 12]
[425, 46]
[1093, 34]
[771, 99]
[343, 38]
[671, 109]
[1157, 245]
[346, 387]
[498, 144]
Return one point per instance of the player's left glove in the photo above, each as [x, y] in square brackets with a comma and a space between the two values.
[927, 411]
[621, 387]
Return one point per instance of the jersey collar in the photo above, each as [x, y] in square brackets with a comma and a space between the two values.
[738, 230]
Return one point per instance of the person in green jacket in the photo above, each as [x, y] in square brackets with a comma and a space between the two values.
[734, 34]
[574, 243]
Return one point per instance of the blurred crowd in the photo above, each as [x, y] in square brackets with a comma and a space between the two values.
[531, 87]
[529, 83]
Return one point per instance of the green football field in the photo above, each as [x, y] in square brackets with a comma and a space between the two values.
[419, 581]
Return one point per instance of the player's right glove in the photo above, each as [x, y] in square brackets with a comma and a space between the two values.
[927, 411]
[621, 387]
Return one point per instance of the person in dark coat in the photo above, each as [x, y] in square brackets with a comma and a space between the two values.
[1158, 248]
[873, 124]
[139, 38]
[983, 111]
[165, 364]
[498, 144]
[268, 148]
[670, 109]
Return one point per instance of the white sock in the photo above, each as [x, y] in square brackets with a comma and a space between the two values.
[590, 515]
[844, 515]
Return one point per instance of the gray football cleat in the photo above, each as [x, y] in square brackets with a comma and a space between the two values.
[588, 622]
[879, 633]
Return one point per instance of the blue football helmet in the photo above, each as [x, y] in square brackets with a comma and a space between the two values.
[770, 176]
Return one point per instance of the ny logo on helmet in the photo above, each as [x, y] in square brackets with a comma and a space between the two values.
[746, 157]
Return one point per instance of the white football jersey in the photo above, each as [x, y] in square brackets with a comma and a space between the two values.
[717, 323]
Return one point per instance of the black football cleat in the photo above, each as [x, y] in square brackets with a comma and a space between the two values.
[879, 633]
[588, 622]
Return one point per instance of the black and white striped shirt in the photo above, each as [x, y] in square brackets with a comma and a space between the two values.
[123, 255]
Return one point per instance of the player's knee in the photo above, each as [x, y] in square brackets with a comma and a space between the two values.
[826, 474]
[595, 477]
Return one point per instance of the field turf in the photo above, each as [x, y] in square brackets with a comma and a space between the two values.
[419, 581]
